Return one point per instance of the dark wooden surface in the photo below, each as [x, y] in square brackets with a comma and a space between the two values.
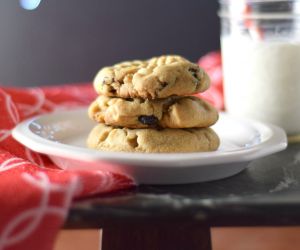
[159, 236]
[266, 193]
[179, 216]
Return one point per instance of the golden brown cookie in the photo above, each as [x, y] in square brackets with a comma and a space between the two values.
[171, 112]
[107, 138]
[158, 77]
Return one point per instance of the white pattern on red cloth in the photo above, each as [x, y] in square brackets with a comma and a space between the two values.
[35, 195]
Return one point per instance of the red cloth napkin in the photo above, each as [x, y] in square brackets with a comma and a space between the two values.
[35, 195]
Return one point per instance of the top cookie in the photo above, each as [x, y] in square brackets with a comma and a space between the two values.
[158, 77]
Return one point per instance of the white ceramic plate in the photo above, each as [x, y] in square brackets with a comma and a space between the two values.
[62, 136]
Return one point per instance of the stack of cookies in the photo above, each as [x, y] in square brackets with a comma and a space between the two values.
[143, 106]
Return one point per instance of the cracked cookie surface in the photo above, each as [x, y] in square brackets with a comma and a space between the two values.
[107, 138]
[171, 112]
[158, 77]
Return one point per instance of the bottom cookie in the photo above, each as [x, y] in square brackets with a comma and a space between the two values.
[109, 138]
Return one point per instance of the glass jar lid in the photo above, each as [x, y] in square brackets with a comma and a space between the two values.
[268, 9]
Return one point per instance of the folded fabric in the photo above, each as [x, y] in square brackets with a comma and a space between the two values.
[35, 195]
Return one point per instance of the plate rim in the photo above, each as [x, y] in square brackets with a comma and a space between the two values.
[276, 142]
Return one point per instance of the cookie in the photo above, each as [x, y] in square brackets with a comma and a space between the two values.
[107, 138]
[171, 112]
[159, 77]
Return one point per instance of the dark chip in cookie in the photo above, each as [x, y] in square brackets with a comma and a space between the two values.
[194, 72]
[148, 120]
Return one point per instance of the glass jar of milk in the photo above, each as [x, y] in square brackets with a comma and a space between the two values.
[260, 43]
